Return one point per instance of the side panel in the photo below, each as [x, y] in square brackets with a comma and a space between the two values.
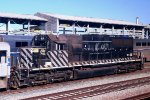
[143, 45]
[4, 60]
[4, 70]
[59, 58]
[35, 59]
[25, 58]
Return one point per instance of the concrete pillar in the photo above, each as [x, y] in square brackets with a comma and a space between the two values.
[143, 33]
[124, 30]
[148, 31]
[112, 29]
[8, 26]
[147, 34]
[101, 29]
[57, 26]
[28, 26]
[133, 32]
[88, 28]
[73, 28]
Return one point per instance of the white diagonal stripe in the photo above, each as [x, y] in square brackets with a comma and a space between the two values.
[66, 53]
[53, 63]
[26, 59]
[62, 60]
[25, 50]
[49, 55]
[24, 63]
[53, 56]
[66, 58]
[58, 59]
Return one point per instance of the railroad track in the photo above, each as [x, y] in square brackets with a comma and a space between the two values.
[19, 92]
[145, 96]
[94, 90]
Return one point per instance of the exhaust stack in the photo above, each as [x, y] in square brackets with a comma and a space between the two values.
[137, 20]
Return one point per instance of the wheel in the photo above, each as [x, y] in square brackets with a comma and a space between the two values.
[71, 76]
[68, 76]
[50, 80]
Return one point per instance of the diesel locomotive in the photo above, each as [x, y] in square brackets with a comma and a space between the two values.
[67, 57]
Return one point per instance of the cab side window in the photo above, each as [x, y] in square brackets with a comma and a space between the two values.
[21, 44]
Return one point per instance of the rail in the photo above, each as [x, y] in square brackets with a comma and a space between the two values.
[139, 97]
[94, 90]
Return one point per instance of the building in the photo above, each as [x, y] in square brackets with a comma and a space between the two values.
[79, 25]
[147, 31]
[24, 19]
[63, 24]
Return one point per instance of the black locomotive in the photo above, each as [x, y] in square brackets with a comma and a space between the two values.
[66, 57]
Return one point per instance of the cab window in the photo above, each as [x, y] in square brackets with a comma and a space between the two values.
[138, 44]
[21, 44]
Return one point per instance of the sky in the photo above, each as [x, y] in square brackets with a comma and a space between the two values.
[126, 10]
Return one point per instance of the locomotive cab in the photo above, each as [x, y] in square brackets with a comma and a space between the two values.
[51, 42]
